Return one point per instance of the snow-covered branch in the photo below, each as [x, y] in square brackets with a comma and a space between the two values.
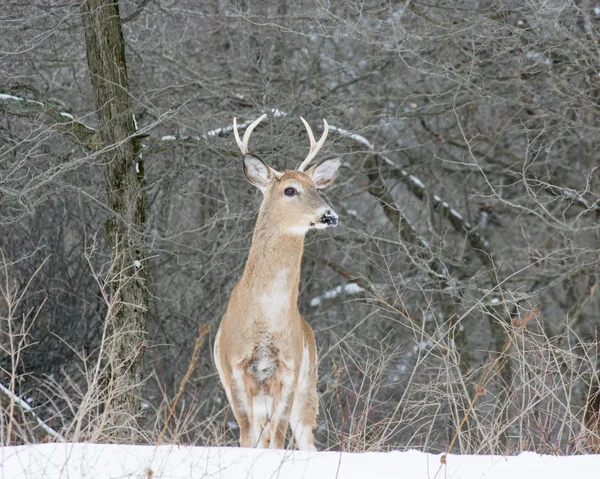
[27, 410]
[52, 114]
[574, 197]
[417, 188]
[346, 289]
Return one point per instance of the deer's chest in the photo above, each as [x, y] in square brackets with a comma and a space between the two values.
[275, 299]
[265, 358]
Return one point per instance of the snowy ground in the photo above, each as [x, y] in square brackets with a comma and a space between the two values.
[79, 461]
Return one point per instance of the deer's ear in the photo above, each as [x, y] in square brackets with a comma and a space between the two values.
[324, 173]
[258, 172]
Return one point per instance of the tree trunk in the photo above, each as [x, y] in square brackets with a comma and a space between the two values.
[127, 199]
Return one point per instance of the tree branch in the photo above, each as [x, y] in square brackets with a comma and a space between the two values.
[52, 115]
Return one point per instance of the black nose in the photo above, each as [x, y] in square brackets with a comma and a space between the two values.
[329, 218]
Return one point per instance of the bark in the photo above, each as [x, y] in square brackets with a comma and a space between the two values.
[127, 199]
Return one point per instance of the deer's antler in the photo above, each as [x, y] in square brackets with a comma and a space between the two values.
[243, 144]
[315, 146]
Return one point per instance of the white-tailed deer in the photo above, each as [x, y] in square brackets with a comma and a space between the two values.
[265, 352]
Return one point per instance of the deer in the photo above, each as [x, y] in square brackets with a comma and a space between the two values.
[265, 352]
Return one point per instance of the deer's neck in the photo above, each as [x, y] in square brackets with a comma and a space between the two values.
[273, 267]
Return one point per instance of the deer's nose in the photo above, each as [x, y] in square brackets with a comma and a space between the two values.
[329, 218]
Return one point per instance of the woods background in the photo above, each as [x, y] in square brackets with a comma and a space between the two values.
[464, 268]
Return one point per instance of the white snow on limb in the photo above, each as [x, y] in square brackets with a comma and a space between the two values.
[575, 196]
[484, 217]
[350, 289]
[135, 125]
[278, 113]
[455, 213]
[66, 115]
[538, 56]
[227, 129]
[26, 407]
[353, 136]
[137, 264]
[178, 137]
[219, 131]
[4, 96]
[104, 461]
[416, 181]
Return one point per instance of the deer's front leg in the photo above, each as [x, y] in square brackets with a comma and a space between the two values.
[240, 398]
[283, 399]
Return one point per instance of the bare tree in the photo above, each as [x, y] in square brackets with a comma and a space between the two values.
[127, 201]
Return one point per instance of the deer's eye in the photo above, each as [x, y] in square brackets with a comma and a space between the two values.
[290, 192]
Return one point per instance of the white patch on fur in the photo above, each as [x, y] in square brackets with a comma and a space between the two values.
[299, 230]
[276, 300]
[262, 406]
[301, 435]
[217, 354]
[302, 432]
[303, 378]
[237, 376]
[287, 391]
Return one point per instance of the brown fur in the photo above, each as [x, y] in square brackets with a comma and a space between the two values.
[260, 344]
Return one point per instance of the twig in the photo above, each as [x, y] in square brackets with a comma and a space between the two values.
[28, 411]
[202, 331]
[492, 369]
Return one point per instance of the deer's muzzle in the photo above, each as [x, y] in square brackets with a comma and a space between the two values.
[329, 219]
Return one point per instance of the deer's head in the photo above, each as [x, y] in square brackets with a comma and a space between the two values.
[291, 198]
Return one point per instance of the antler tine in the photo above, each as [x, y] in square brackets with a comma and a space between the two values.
[237, 136]
[243, 144]
[315, 146]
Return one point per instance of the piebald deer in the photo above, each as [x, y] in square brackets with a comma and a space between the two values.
[265, 352]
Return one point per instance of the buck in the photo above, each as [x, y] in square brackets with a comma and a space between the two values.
[264, 350]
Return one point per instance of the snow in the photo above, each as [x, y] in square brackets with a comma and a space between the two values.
[277, 113]
[4, 96]
[354, 136]
[417, 181]
[350, 288]
[20, 403]
[484, 216]
[538, 56]
[66, 115]
[455, 213]
[100, 461]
